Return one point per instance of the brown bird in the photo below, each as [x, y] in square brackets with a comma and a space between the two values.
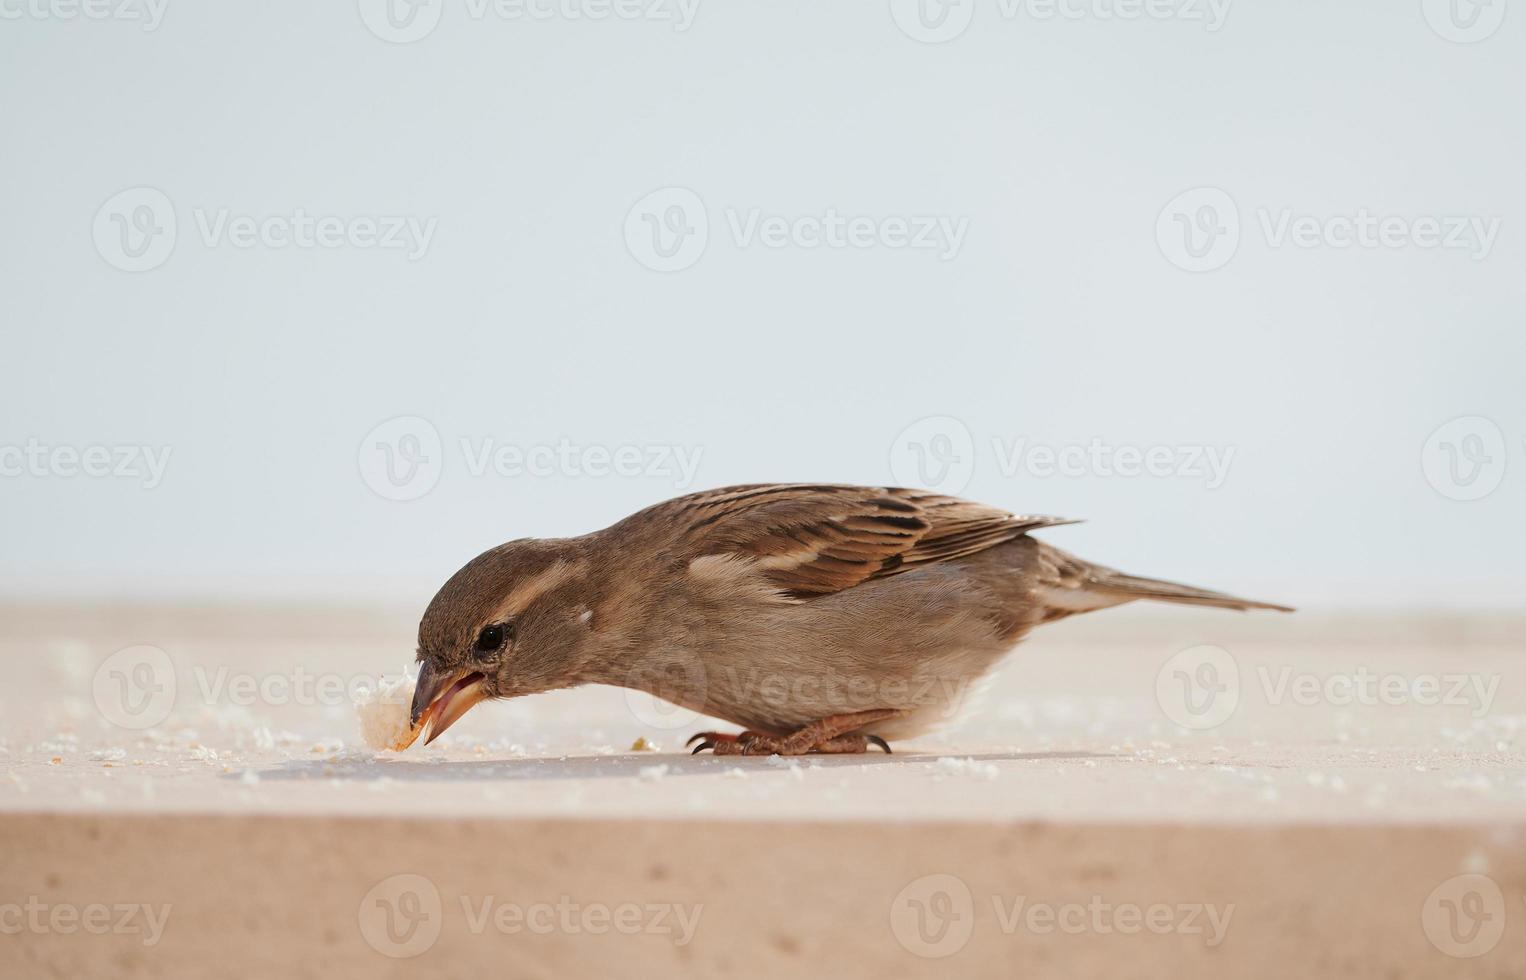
[819, 618]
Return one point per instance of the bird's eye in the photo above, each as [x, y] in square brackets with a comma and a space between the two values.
[491, 638]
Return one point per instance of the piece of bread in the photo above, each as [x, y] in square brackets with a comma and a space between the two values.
[384, 714]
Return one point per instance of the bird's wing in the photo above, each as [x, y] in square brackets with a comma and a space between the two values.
[811, 540]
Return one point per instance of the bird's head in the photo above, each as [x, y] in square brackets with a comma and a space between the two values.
[517, 619]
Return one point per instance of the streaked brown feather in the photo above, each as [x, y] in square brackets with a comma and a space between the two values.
[813, 539]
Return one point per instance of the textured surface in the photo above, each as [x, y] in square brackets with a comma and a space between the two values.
[1362, 773]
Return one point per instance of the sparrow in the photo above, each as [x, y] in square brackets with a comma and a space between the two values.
[820, 618]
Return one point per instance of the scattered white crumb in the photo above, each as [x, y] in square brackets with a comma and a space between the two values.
[735, 773]
[950, 766]
[384, 722]
[652, 774]
[108, 755]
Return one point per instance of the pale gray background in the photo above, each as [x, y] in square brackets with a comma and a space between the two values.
[528, 320]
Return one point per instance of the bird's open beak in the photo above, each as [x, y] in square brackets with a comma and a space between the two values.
[442, 698]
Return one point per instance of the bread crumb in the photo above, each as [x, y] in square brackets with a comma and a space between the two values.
[949, 765]
[384, 722]
[642, 745]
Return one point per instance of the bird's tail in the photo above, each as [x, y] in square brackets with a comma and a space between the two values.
[1071, 585]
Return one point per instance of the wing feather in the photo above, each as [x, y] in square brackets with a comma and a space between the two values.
[811, 540]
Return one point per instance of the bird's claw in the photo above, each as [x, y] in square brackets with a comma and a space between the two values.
[757, 743]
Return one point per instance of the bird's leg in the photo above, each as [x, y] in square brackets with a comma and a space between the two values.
[828, 735]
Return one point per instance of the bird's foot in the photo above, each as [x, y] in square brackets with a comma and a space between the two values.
[831, 735]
